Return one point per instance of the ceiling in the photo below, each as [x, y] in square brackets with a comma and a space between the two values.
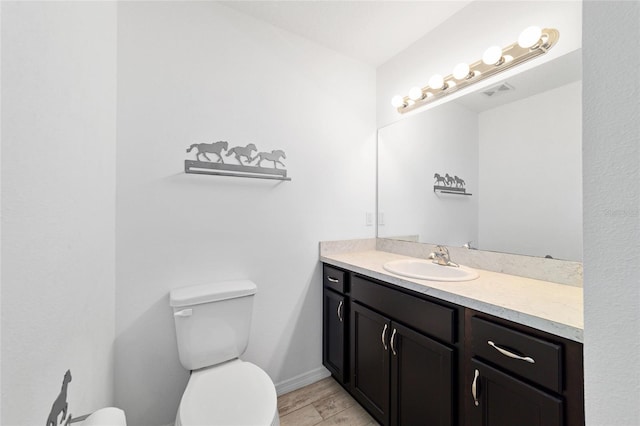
[369, 31]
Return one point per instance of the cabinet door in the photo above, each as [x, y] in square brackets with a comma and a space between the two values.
[501, 400]
[421, 379]
[334, 334]
[370, 361]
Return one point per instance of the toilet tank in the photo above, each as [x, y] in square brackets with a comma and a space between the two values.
[212, 321]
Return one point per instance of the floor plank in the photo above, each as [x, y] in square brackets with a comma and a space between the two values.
[297, 399]
[352, 416]
[305, 416]
[324, 403]
[333, 404]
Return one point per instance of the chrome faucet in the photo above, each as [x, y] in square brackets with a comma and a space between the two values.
[441, 257]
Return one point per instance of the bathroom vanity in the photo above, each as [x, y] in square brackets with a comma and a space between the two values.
[416, 352]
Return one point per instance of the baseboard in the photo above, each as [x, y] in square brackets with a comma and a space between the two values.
[301, 380]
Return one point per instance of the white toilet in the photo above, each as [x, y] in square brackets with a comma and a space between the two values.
[212, 329]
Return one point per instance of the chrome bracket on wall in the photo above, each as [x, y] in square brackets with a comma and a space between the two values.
[243, 169]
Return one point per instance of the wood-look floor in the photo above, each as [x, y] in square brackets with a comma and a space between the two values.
[322, 403]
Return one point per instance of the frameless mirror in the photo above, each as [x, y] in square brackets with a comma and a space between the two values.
[515, 149]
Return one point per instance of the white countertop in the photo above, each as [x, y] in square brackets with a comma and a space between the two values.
[553, 308]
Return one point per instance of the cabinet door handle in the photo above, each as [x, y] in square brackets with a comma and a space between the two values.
[511, 354]
[333, 280]
[474, 388]
[384, 335]
[340, 310]
[393, 342]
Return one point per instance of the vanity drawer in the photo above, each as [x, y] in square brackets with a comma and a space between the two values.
[334, 279]
[537, 360]
[424, 316]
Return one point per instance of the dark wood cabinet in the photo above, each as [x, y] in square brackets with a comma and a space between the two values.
[401, 376]
[335, 323]
[502, 400]
[334, 334]
[410, 359]
[370, 361]
[517, 375]
[421, 379]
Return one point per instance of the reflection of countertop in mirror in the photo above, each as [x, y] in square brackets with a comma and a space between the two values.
[546, 306]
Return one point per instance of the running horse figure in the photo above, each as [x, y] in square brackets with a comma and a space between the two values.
[271, 156]
[449, 179]
[242, 151]
[211, 148]
[439, 178]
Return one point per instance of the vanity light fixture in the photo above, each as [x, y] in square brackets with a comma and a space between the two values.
[531, 43]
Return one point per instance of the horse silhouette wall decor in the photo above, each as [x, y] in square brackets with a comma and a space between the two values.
[60, 405]
[448, 184]
[205, 165]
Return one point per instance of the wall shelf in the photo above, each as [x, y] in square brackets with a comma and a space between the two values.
[234, 170]
[450, 190]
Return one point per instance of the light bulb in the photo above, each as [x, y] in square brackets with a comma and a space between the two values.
[436, 81]
[415, 93]
[529, 37]
[461, 71]
[397, 101]
[492, 55]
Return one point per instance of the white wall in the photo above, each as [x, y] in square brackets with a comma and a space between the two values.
[58, 216]
[196, 72]
[441, 140]
[531, 175]
[465, 36]
[611, 165]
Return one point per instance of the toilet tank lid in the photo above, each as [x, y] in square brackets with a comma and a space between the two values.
[212, 292]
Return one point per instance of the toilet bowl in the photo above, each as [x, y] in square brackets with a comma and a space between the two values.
[236, 393]
[212, 330]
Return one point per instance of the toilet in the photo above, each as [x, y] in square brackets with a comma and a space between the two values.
[212, 330]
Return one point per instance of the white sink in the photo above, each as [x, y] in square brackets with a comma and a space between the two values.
[427, 270]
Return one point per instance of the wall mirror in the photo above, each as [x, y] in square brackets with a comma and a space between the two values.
[515, 147]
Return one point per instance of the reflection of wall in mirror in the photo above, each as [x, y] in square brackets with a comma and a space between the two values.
[410, 151]
[531, 175]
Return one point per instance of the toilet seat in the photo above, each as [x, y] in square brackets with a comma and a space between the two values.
[235, 393]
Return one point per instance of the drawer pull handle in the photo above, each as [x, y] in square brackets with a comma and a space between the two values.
[511, 354]
[393, 342]
[474, 388]
[384, 335]
[333, 280]
[340, 310]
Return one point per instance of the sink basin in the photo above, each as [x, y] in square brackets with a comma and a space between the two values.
[427, 270]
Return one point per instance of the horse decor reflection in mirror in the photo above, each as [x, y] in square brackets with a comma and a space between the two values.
[449, 184]
[244, 168]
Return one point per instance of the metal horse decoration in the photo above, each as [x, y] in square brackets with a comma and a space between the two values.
[60, 404]
[271, 156]
[242, 151]
[211, 148]
[449, 185]
[244, 168]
